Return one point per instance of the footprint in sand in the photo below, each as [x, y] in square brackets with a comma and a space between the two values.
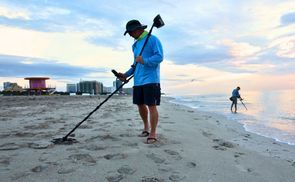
[115, 156]
[174, 154]
[292, 162]
[115, 178]
[9, 146]
[4, 135]
[93, 147]
[176, 176]
[127, 135]
[238, 154]
[66, 170]
[38, 169]
[191, 164]
[222, 145]
[24, 134]
[247, 136]
[41, 145]
[165, 169]
[216, 147]
[168, 122]
[243, 169]
[129, 144]
[19, 175]
[206, 134]
[85, 159]
[126, 170]
[85, 126]
[37, 127]
[155, 158]
[4, 161]
[151, 179]
[103, 138]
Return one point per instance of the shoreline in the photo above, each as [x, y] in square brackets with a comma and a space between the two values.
[233, 125]
[193, 145]
[243, 118]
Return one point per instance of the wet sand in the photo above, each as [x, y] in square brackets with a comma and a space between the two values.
[192, 145]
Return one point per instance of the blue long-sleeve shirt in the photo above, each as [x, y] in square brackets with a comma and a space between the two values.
[149, 72]
[235, 93]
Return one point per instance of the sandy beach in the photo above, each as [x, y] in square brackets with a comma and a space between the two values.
[192, 145]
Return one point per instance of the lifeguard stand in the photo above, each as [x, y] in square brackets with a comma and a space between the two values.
[38, 85]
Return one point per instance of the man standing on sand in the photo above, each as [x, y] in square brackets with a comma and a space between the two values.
[234, 99]
[146, 89]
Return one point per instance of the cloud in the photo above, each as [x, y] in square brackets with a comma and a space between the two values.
[199, 54]
[14, 13]
[241, 49]
[70, 48]
[285, 46]
[288, 19]
[233, 37]
[49, 12]
[25, 66]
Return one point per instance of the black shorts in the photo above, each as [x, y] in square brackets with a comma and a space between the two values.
[149, 94]
[234, 100]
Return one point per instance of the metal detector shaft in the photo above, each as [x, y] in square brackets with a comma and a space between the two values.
[65, 137]
[244, 104]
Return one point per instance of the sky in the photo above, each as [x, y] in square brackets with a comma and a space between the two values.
[209, 46]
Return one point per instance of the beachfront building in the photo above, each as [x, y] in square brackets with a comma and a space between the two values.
[91, 87]
[128, 91]
[107, 90]
[37, 85]
[71, 88]
[7, 85]
[12, 87]
[116, 84]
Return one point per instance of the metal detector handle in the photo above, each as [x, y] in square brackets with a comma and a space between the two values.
[115, 73]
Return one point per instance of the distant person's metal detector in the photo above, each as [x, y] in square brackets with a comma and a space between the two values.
[158, 22]
[243, 104]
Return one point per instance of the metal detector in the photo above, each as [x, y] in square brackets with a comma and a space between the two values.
[244, 104]
[158, 22]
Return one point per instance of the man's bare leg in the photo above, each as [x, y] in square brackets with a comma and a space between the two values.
[231, 108]
[154, 117]
[143, 112]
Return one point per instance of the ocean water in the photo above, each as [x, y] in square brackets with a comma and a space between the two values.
[270, 113]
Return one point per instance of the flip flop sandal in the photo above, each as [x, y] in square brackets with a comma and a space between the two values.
[151, 140]
[144, 134]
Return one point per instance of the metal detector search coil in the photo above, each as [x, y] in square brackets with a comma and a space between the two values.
[158, 22]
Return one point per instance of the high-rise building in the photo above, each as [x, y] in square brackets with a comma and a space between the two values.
[12, 87]
[116, 84]
[107, 90]
[7, 85]
[71, 88]
[91, 87]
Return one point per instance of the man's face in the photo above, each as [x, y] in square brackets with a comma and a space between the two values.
[135, 34]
